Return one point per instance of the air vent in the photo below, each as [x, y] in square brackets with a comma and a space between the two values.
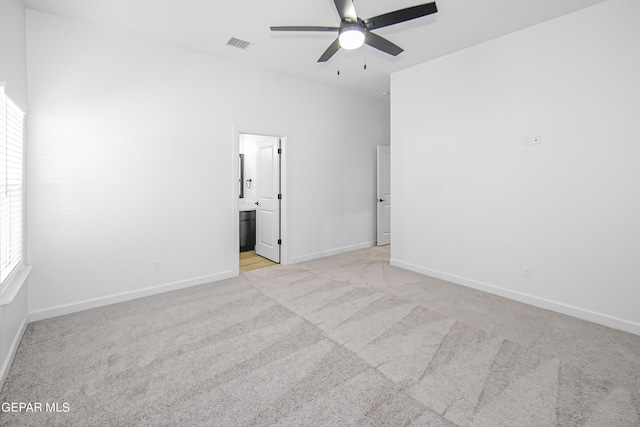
[240, 44]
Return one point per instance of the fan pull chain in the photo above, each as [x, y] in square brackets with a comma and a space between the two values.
[338, 63]
[365, 59]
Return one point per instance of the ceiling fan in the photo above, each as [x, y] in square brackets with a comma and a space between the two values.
[353, 32]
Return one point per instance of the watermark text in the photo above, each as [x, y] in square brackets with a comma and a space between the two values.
[30, 407]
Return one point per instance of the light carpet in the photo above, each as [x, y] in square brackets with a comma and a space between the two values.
[343, 340]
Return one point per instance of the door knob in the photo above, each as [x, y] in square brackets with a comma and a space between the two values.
[381, 200]
[257, 204]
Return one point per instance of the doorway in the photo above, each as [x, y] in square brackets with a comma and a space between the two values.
[259, 188]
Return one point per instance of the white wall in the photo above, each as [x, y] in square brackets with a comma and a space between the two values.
[13, 317]
[13, 57]
[131, 157]
[473, 205]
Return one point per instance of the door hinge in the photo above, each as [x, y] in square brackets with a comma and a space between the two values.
[279, 241]
[279, 196]
[279, 150]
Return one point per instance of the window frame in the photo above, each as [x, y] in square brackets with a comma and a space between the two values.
[17, 271]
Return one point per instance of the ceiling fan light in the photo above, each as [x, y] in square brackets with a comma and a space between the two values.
[351, 38]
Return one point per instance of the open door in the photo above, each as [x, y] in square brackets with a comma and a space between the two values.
[268, 204]
[384, 195]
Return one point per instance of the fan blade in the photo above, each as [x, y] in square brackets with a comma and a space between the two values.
[305, 28]
[382, 44]
[400, 16]
[346, 10]
[331, 50]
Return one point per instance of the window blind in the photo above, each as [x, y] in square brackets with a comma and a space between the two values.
[11, 219]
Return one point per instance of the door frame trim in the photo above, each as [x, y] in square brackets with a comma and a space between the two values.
[285, 145]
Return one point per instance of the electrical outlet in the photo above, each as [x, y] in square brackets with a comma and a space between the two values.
[156, 265]
[526, 272]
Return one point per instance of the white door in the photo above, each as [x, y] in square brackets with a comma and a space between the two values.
[384, 195]
[267, 189]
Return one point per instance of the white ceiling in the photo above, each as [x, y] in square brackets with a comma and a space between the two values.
[205, 26]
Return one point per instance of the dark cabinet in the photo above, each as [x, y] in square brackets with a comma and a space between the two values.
[247, 230]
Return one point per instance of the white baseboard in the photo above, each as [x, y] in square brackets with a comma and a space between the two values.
[6, 365]
[580, 313]
[322, 254]
[126, 296]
